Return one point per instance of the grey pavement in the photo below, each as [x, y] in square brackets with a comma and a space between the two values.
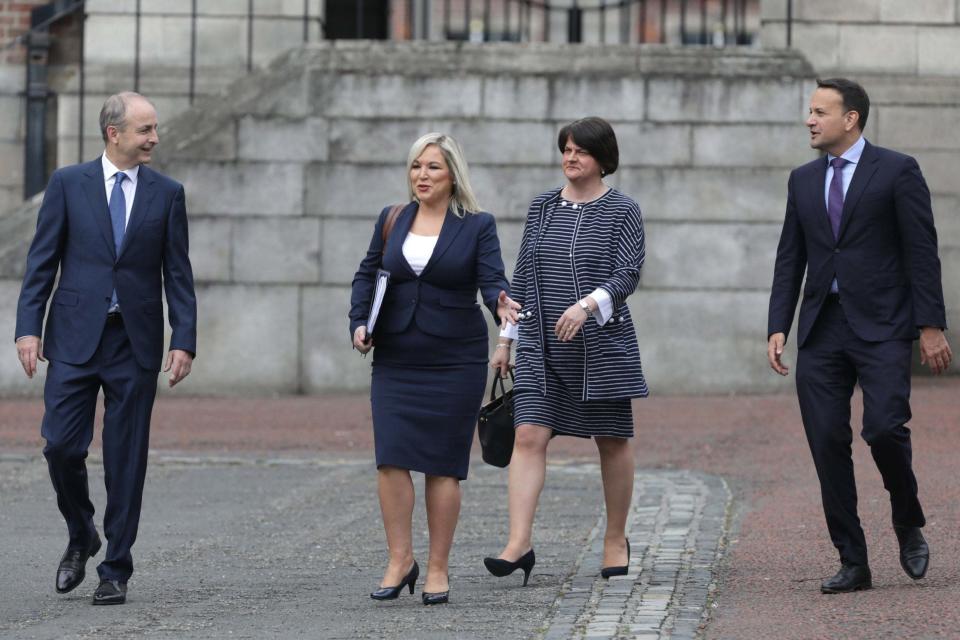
[248, 547]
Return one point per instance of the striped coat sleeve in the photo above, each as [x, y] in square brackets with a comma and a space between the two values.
[631, 253]
[522, 270]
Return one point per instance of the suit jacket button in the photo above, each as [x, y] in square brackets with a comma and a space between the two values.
[836, 250]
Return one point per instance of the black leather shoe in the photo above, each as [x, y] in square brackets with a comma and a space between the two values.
[851, 577]
[914, 552]
[609, 572]
[392, 593]
[441, 597]
[500, 567]
[73, 566]
[110, 592]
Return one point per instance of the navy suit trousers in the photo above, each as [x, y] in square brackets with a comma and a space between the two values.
[831, 362]
[70, 398]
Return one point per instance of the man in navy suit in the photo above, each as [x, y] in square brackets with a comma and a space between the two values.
[859, 222]
[117, 233]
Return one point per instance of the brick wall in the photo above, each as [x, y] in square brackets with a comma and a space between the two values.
[14, 21]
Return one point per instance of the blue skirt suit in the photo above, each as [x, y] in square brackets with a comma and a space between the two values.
[431, 344]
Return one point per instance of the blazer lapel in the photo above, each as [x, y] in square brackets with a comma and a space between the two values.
[141, 204]
[397, 235]
[448, 233]
[861, 178]
[97, 199]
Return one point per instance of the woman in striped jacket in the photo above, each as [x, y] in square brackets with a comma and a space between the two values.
[577, 359]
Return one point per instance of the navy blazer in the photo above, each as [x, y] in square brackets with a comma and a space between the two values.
[885, 258]
[74, 234]
[442, 300]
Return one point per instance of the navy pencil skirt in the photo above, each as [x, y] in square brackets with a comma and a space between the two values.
[425, 395]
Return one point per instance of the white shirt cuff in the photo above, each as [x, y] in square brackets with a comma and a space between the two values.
[604, 306]
[511, 331]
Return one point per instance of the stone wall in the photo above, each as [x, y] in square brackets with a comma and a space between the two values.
[287, 170]
[109, 62]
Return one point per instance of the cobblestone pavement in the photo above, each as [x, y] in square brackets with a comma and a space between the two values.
[259, 547]
[767, 580]
[676, 530]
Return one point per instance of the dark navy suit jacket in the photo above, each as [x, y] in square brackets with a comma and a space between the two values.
[442, 300]
[74, 234]
[885, 258]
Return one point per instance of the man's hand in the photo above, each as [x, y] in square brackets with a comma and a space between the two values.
[29, 350]
[775, 352]
[934, 349]
[178, 364]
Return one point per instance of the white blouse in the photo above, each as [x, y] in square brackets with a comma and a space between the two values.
[417, 250]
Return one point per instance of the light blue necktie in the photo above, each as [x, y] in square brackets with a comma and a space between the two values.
[118, 216]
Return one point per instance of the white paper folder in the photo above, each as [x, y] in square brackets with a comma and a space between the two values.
[379, 290]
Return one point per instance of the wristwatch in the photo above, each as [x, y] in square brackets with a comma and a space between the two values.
[586, 307]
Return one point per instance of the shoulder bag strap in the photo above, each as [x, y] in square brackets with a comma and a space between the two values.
[388, 224]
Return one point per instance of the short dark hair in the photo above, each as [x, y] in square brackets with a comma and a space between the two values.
[854, 97]
[597, 137]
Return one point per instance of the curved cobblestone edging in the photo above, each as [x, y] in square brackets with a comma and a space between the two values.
[677, 530]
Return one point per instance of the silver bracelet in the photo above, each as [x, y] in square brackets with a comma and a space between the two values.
[502, 345]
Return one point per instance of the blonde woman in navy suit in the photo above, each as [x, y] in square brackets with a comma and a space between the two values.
[577, 361]
[430, 356]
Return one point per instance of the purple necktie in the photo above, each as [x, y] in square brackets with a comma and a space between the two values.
[835, 197]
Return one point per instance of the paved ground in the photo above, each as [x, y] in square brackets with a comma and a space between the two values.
[261, 521]
[250, 547]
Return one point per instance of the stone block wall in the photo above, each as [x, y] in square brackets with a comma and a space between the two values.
[287, 169]
[221, 58]
[286, 172]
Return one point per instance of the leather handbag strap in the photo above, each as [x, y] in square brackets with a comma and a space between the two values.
[388, 224]
[503, 391]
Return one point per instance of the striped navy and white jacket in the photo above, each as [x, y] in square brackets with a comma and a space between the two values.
[607, 252]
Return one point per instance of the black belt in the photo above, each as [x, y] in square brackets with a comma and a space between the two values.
[114, 317]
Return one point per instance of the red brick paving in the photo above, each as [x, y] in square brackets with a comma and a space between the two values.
[780, 550]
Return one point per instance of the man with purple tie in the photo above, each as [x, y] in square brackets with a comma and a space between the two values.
[116, 232]
[860, 224]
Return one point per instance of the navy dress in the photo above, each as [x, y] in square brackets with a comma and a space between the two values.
[430, 351]
[583, 387]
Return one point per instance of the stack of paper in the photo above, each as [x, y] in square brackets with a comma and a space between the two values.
[380, 288]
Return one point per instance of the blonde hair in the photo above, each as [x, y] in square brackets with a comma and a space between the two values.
[462, 199]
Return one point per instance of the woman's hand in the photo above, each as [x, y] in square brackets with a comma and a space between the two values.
[500, 359]
[570, 322]
[506, 310]
[360, 342]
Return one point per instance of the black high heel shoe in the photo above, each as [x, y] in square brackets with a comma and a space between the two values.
[391, 593]
[609, 572]
[437, 597]
[500, 567]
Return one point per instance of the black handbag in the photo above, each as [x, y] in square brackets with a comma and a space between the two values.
[495, 426]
